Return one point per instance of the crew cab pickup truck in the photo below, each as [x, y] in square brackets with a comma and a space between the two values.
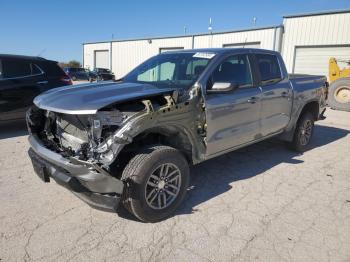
[132, 141]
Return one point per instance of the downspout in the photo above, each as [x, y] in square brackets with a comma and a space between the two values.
[192, 41]
[274, 39]
[278, 36]
[82, 60]
[111, 56]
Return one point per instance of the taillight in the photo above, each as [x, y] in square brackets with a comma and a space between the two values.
[66, 79]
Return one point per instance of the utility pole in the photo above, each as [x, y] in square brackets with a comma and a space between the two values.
[210, 29]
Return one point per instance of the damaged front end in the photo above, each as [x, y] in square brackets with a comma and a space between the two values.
[63, 147]
[80, 151]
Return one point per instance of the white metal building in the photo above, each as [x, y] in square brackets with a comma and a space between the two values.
[306, 42]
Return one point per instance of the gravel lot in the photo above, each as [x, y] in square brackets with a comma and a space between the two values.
[261, 203]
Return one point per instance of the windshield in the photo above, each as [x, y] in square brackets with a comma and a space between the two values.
[171, 69]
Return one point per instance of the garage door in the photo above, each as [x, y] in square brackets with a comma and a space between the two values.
[314, 60]
[246, 45]
[102, 59]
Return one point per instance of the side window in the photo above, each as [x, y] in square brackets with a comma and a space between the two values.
[35, 69]
[269, 68]
[52, 69]
[235, 69]
[15, 68]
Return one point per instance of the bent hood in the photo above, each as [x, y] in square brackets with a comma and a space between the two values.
[88, 98]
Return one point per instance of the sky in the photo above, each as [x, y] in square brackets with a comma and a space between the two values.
[57, 29]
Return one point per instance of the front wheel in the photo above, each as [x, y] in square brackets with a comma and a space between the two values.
[303, 133]
[156, 182]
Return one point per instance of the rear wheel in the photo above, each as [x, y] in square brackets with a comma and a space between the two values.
[339, 94]
[156, 182]
[303, 132]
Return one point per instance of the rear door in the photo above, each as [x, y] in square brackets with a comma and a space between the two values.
[276, 102]
[19, 84]
[232, 117]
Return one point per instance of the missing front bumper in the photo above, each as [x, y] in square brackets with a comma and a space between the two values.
[99, 190]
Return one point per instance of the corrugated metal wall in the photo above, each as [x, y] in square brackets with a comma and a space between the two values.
[128, 54]
[332, 29]
[265, 37]
[318, 30]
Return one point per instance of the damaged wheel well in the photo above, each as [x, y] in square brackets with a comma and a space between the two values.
[169, 136]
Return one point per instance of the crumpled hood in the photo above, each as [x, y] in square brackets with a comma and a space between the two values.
[88, 98]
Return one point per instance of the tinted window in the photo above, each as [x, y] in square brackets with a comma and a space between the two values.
[269, 68]
[235, 69]
[52, 69]
[35, 69]
[13, 68]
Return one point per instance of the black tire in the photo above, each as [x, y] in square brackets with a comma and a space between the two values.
[137, 175]
[339, 94]
[305, 127]
[74, 78]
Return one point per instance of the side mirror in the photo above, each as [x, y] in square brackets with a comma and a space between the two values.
[222, 87]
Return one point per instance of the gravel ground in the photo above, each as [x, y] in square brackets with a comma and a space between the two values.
[261, 203]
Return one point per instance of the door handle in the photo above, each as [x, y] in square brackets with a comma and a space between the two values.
[42, 82]
[252, 100]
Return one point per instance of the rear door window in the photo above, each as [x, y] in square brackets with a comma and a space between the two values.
[36, 70]
[15, 68]
[269, 68]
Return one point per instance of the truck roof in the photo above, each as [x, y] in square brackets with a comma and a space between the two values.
[221, 50]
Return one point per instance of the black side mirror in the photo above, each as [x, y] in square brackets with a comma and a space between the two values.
[222, 87]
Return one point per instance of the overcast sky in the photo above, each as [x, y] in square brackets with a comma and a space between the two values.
[56, 29]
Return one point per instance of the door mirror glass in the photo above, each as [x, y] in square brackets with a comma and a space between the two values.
[223, 87]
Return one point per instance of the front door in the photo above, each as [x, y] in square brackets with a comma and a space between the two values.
[233, 118]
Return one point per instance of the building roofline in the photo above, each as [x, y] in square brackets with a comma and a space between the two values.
[190, 35]
[331, 12]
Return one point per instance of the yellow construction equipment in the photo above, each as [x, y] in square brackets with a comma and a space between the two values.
[339, 89]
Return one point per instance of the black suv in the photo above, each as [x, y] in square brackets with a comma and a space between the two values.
[24, 77]
[78, 73]
[103, 74]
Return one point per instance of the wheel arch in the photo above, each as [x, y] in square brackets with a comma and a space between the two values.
[312, 106]
[171, 135]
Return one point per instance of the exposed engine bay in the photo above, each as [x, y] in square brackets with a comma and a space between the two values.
[100, 137]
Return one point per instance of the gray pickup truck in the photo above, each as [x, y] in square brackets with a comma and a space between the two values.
[133, 140]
